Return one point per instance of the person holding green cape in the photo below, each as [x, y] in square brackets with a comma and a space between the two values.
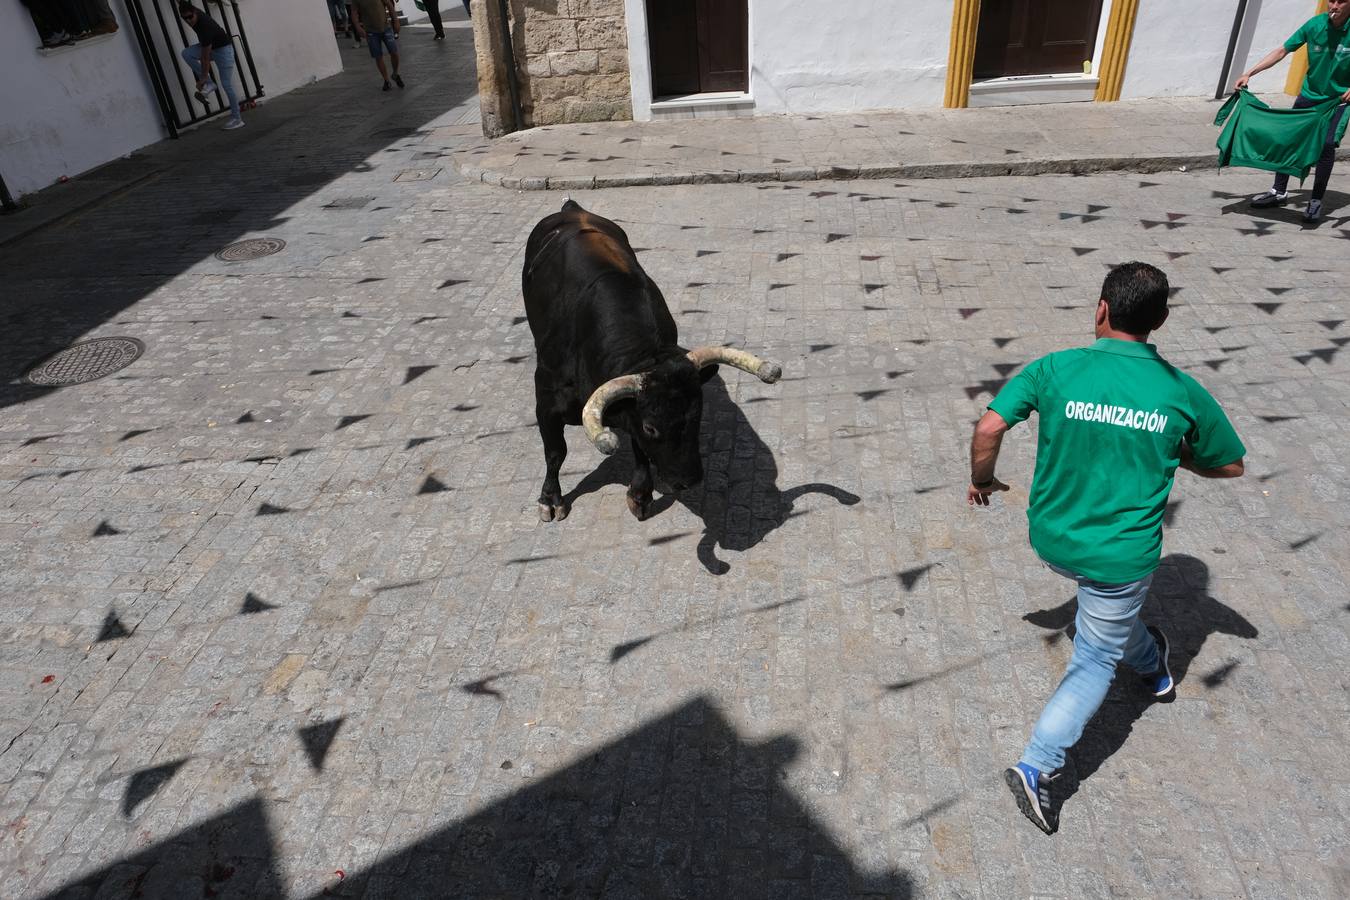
[1327, 37]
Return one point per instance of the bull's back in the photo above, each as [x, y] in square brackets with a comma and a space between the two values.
[581, 279]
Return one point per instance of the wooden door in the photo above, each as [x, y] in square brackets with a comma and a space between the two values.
[698, 46]
[723, 48]
[1035, 37]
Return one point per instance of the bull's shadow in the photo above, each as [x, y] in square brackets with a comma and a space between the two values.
[1179, 603]
[739, 500]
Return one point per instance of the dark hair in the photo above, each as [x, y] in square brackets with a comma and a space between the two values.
[185, 8]
[1136, 295]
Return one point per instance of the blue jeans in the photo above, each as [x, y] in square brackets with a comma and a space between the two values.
[377, 41]
[1108, 632]
[223, 57]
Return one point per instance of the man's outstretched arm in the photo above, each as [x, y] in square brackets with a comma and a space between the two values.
[984, 447]
[1231, 470]
[1266, 62]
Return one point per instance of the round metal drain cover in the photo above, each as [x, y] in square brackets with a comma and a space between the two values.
[85, 361]
[253, 248]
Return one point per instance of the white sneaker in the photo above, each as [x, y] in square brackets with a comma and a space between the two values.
[1313, 212]
[233, 124]
[209, 87]
[1270, 198]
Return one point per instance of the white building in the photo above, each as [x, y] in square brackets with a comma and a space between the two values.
[67, 109]
[794, 56]
[583, 60]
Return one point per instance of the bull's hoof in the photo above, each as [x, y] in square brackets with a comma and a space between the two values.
[552, 512]
[639, 506]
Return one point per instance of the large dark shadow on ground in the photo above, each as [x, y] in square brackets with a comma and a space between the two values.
[681, 807]
[208, 190]
[1180, 604]
[739, 500]
[229, 855]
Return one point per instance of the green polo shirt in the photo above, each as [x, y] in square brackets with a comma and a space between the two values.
[1112, 420]
[1328, 57]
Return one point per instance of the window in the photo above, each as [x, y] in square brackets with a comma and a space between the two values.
[63, 22]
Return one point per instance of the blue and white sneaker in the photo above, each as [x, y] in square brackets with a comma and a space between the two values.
[1031, 789]
[1313, 214]
[1161, 682]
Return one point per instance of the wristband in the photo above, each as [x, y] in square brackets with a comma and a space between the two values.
[982, 485]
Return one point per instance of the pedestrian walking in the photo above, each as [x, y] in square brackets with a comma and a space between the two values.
[1116, 421]
[433, 11]
[337, 11]
[1327, 37]
[213, 46]
[377, 22]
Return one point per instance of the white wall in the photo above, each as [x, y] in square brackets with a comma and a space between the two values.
[73, 110]
[806, 57]
[79, 107]
[1178, 49]
[292, 42]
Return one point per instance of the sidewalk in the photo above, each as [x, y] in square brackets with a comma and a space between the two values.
[1068, 138]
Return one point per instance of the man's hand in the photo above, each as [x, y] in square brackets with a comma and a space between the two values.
[979, 496]
[1345, 98]
[1242, 82]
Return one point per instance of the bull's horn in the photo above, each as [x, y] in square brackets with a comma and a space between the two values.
[766, 371]
[593, 413]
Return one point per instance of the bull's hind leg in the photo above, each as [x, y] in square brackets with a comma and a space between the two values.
[551, 506]
[640, 488]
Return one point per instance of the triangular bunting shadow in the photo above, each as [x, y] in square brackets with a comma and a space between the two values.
[318, 738]
[254, 604]
[143, 784]
[112, 628]
[432, 486]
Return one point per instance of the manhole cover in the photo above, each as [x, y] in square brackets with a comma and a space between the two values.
[85, 361]
[253, 248]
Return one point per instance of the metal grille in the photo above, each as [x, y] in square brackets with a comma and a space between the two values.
[253, 248]
[161, 35]
[85, 361]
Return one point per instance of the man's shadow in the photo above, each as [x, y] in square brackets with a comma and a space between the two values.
[739, 500]
[1335, 205]
[1179, 603]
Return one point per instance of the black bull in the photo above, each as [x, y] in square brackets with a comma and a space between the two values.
[607, 355]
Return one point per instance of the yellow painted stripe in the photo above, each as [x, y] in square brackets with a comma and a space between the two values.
[961, 53]
[1116, 50]
[1298, 63]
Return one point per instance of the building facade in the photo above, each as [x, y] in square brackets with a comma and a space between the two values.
[589, 60]
[69, 103]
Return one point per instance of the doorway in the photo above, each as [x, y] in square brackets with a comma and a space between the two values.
[698, 48]
[1036, 37]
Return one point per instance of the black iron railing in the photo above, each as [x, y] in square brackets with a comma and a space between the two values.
[162, 34]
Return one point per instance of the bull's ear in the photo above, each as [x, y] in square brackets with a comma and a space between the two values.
[706, 373]
[619, 412]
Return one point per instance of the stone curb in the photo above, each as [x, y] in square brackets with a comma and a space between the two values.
[1065, 166]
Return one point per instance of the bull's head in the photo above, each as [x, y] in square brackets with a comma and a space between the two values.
[667, 409]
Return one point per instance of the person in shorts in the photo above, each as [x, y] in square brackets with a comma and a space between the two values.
[377, 22]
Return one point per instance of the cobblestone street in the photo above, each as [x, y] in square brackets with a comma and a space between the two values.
[279, 618]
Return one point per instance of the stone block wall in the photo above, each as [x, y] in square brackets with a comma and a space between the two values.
[572, 57]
